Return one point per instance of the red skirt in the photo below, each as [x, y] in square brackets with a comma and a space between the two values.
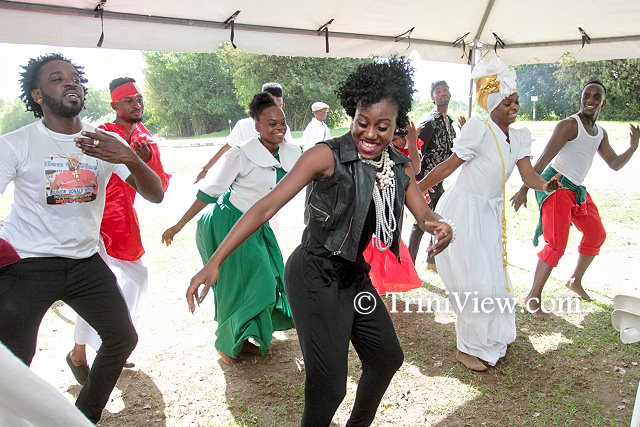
[389, 275]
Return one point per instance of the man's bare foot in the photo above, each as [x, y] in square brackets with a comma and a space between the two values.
[250, 348]
[576, 287]
[230, 360]
[533, 306]
[469, 361]
[431, 267]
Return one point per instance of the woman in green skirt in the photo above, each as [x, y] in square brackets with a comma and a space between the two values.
[250, 300]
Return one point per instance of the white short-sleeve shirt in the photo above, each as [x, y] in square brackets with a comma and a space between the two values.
[55, 212]
[250, 170]
[316, 131]
[480, 148]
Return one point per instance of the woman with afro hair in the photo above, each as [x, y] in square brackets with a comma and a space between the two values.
[358, 186]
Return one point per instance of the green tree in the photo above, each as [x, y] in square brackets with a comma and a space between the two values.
[13, 116]
[305, 80]
[554, 101]
[558, 87]
[97, 108]
[620, 77]
[422, 107]
[189, 93]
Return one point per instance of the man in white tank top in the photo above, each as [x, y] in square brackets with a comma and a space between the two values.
[572, 147]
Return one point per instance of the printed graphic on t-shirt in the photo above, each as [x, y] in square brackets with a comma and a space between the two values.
[70, 180]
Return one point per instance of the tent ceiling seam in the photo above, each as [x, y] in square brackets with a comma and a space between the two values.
[284, 30]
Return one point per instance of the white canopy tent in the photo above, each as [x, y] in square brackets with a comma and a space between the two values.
[521, 31]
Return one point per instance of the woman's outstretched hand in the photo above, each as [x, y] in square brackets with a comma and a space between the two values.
[553, 184]
[206, 277]
[169, 233]
[443, 235]
[519, 199]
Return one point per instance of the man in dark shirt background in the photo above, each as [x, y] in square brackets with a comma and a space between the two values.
[437, 136]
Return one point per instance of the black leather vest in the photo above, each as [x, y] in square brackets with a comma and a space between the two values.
[338, 205]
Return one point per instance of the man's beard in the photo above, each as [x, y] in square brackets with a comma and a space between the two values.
[59, 109]
[136, 120]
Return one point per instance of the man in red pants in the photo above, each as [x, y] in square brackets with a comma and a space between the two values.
[572, 147]
[120, 242]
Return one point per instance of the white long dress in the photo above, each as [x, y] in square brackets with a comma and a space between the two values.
[471, 267]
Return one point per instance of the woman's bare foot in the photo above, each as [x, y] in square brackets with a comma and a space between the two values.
[533, 306]
[576, 287]
[471, 362]
[250, 348]
[230, 360]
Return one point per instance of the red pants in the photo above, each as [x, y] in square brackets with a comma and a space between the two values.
[559, 211]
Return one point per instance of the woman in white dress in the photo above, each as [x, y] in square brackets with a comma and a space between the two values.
[474, 269]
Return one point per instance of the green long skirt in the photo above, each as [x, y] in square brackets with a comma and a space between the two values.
[250, 300]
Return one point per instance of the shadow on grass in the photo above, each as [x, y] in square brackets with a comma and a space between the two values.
[558, 372]
[268, 391]
[141, 398]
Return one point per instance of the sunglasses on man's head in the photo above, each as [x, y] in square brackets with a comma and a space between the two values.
[401, 132]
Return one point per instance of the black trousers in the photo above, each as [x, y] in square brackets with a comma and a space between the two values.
[321, 294]
[27, 290]
[416, 232]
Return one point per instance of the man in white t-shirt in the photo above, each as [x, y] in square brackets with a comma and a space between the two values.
[317, 130]
[60, 168]
[245, 129]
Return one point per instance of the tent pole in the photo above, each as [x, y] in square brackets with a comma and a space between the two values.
[473, 57]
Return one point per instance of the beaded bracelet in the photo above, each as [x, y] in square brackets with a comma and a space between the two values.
[452, 226]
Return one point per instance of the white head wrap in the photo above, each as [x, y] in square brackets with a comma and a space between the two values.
[505, 76]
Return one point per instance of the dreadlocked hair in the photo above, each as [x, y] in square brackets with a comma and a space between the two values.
[383, 79]
[31, 74]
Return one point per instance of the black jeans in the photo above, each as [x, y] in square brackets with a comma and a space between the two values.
[321, 294]
[416, 232]
[27, 290]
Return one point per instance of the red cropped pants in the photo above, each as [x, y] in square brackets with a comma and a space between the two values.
[558, 212]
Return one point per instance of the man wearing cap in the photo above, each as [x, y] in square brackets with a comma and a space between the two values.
[437, 139]
[317, 130]
[120, 241]
[245, 129]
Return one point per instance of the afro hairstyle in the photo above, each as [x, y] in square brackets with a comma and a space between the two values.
[382, 79]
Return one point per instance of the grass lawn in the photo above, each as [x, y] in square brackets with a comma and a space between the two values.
[225, 133]
[569, 371]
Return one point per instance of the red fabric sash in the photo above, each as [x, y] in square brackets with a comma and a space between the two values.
[8, 255]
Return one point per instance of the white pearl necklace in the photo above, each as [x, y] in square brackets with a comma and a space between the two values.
[384, 195]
